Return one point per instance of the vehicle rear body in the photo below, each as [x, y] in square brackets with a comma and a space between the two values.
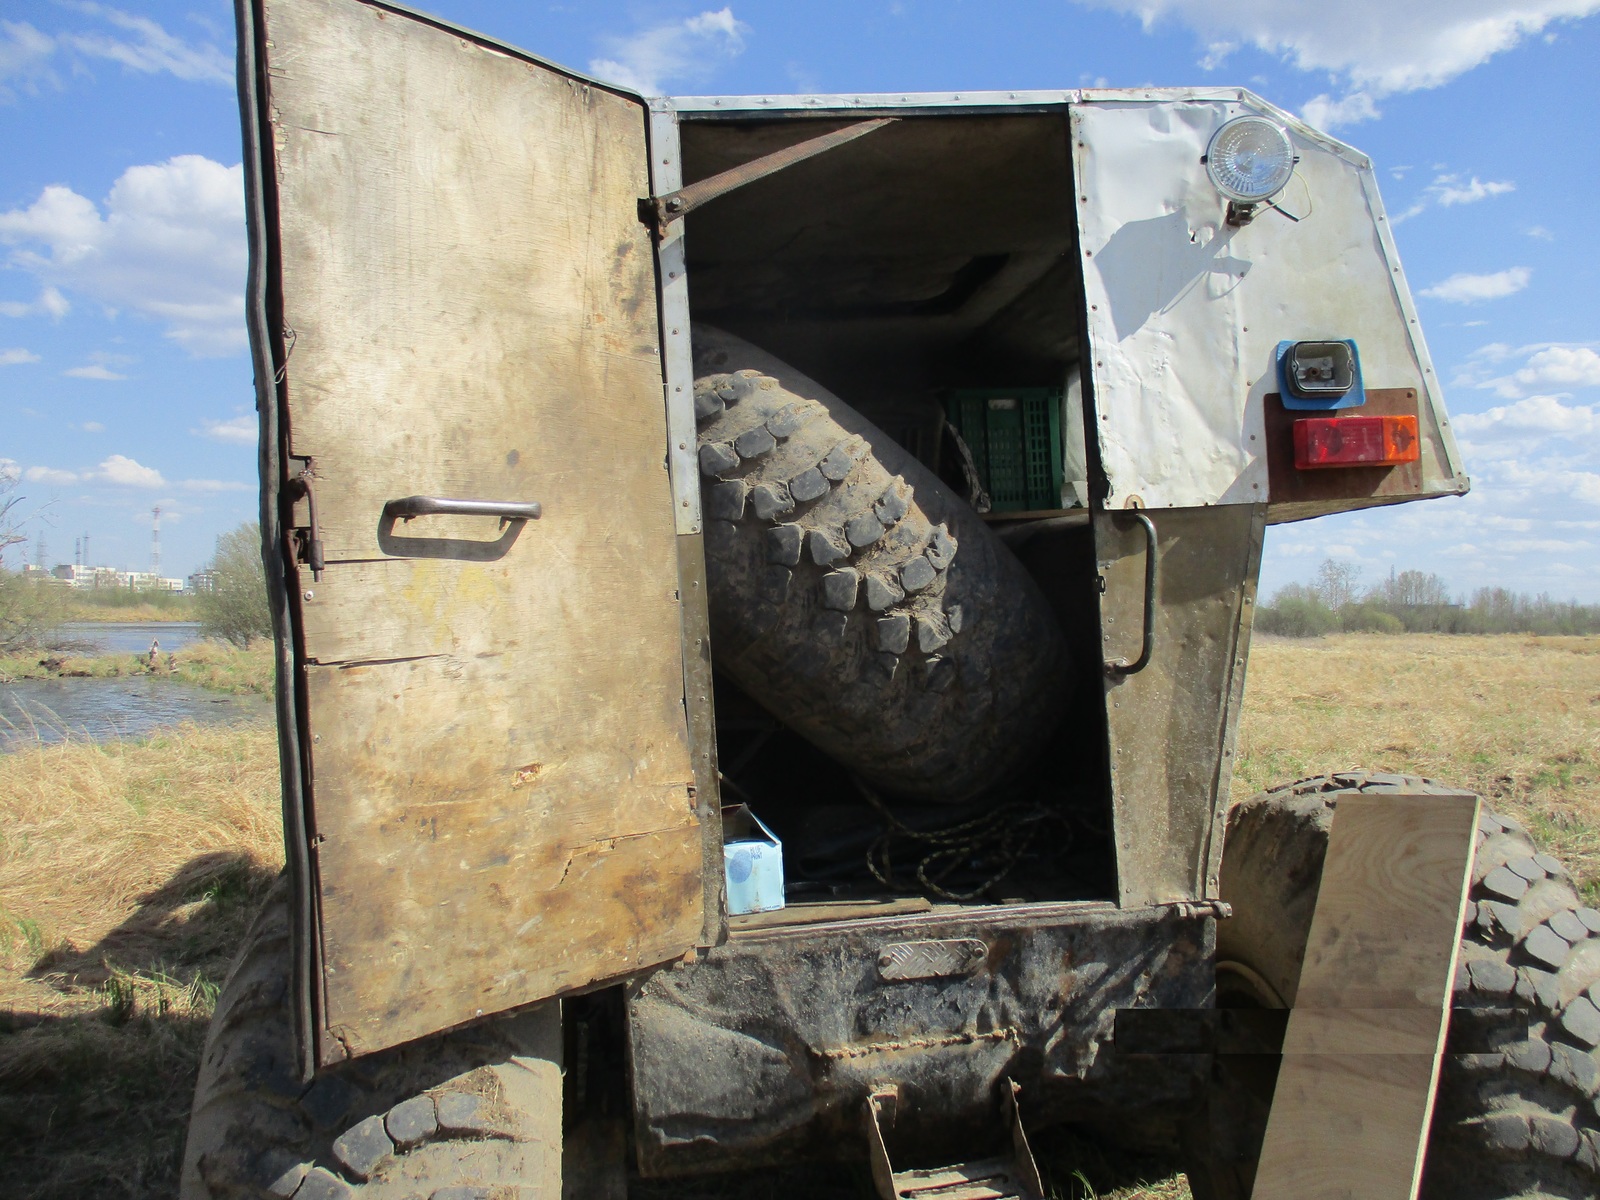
[501, 734]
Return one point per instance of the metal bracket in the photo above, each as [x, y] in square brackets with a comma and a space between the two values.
[308, 546]
[658, 211]
[1121, 668]
[1005, 1177]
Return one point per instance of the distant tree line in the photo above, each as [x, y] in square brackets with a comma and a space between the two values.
[1414, 602]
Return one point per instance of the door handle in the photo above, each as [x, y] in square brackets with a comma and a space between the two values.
[439, 506]
[1121, 668]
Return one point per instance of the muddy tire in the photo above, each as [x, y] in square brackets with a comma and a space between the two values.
[858, 598]
[473, 1113]
[1515, 1117]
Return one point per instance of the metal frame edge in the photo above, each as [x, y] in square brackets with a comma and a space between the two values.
[266, 355]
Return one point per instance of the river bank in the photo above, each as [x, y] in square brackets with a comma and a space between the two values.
[215, 666]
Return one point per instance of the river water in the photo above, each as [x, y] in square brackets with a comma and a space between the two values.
[129, 637]
[53, 710]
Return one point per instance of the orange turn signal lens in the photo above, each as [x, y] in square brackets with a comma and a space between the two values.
[1355, 442]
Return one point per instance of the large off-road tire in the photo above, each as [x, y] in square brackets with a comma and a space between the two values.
[858, 598]
[1516, 1115]
[476, 1113]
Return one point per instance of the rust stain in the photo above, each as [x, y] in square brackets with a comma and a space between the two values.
[928, 1043]
[526, 774]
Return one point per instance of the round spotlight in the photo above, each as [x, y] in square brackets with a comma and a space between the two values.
[1250, 159]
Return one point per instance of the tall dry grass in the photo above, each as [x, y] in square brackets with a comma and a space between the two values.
[128, 874]
[1513, 717]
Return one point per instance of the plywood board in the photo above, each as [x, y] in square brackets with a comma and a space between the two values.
[502, 798]
[1354, 1096]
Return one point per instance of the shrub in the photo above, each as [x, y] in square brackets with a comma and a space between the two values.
[30, 610]
[1296, 616]
[1369, 618]
[235, 610]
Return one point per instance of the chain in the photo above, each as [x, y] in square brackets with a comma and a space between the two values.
[1003, 834]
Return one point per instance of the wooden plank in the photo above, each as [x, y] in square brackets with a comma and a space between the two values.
[503, 802]
[1361, 1055]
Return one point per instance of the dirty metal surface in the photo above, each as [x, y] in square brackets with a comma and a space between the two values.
[499, 788]
[1171, 726]
[766, 1048]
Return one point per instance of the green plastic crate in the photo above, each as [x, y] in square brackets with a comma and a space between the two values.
[1015, 438]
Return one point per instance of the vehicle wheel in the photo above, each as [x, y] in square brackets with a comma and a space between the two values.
[858, 598]
[467, 1114]
[1517, 1117]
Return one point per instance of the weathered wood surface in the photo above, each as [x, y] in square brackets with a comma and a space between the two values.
[1361, 1054]
[500, 766]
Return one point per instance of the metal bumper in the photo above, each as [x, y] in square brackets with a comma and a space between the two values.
[766, 1049]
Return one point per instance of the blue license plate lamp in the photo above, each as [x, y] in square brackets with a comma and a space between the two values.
[1317, 376]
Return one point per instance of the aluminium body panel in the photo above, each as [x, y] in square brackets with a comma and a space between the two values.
[1186, 311]
[497, 791]
[1171, 727]
[765, 1049]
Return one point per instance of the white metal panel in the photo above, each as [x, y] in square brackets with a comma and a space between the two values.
[666, 176]
[1185, 312]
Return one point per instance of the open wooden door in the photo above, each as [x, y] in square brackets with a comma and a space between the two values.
[489, 794]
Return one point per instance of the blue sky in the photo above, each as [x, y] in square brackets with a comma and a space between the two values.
[124, 382]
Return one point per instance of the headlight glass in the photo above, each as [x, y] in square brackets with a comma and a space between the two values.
[1250, 159]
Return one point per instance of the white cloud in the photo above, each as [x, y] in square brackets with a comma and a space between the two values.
[1536, 414]
[50, 303]
[241, 431]
[1448, 191]
[24, 58]
[216, 485]
[1452, 192]
[149, 48]
[1553, 366]
[170, 246]
[93, 371]
[122, 470]
[684, 50]
[92, 427]
[1550, 365]
[1540, 232]
[1325, 112]
[49, 475]
[137, 43]
[1372, 48]
[1465, 288]
[10, 358]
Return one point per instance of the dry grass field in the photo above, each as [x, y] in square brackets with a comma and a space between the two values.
[128, 872]
[1515, 718]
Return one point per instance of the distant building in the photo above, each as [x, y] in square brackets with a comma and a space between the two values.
[202, 581]
[109, 577]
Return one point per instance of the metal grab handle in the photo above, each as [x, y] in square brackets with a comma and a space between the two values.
[1121, 668]
[439, 506]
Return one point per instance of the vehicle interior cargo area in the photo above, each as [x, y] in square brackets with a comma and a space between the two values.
[924, 270]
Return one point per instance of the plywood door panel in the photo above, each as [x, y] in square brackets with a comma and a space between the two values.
[1361, 1053]
[502, 795]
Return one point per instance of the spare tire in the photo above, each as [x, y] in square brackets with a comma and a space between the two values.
[1517, 1112]
[856, 596]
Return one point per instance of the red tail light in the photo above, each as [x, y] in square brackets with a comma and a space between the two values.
[1355, 442]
